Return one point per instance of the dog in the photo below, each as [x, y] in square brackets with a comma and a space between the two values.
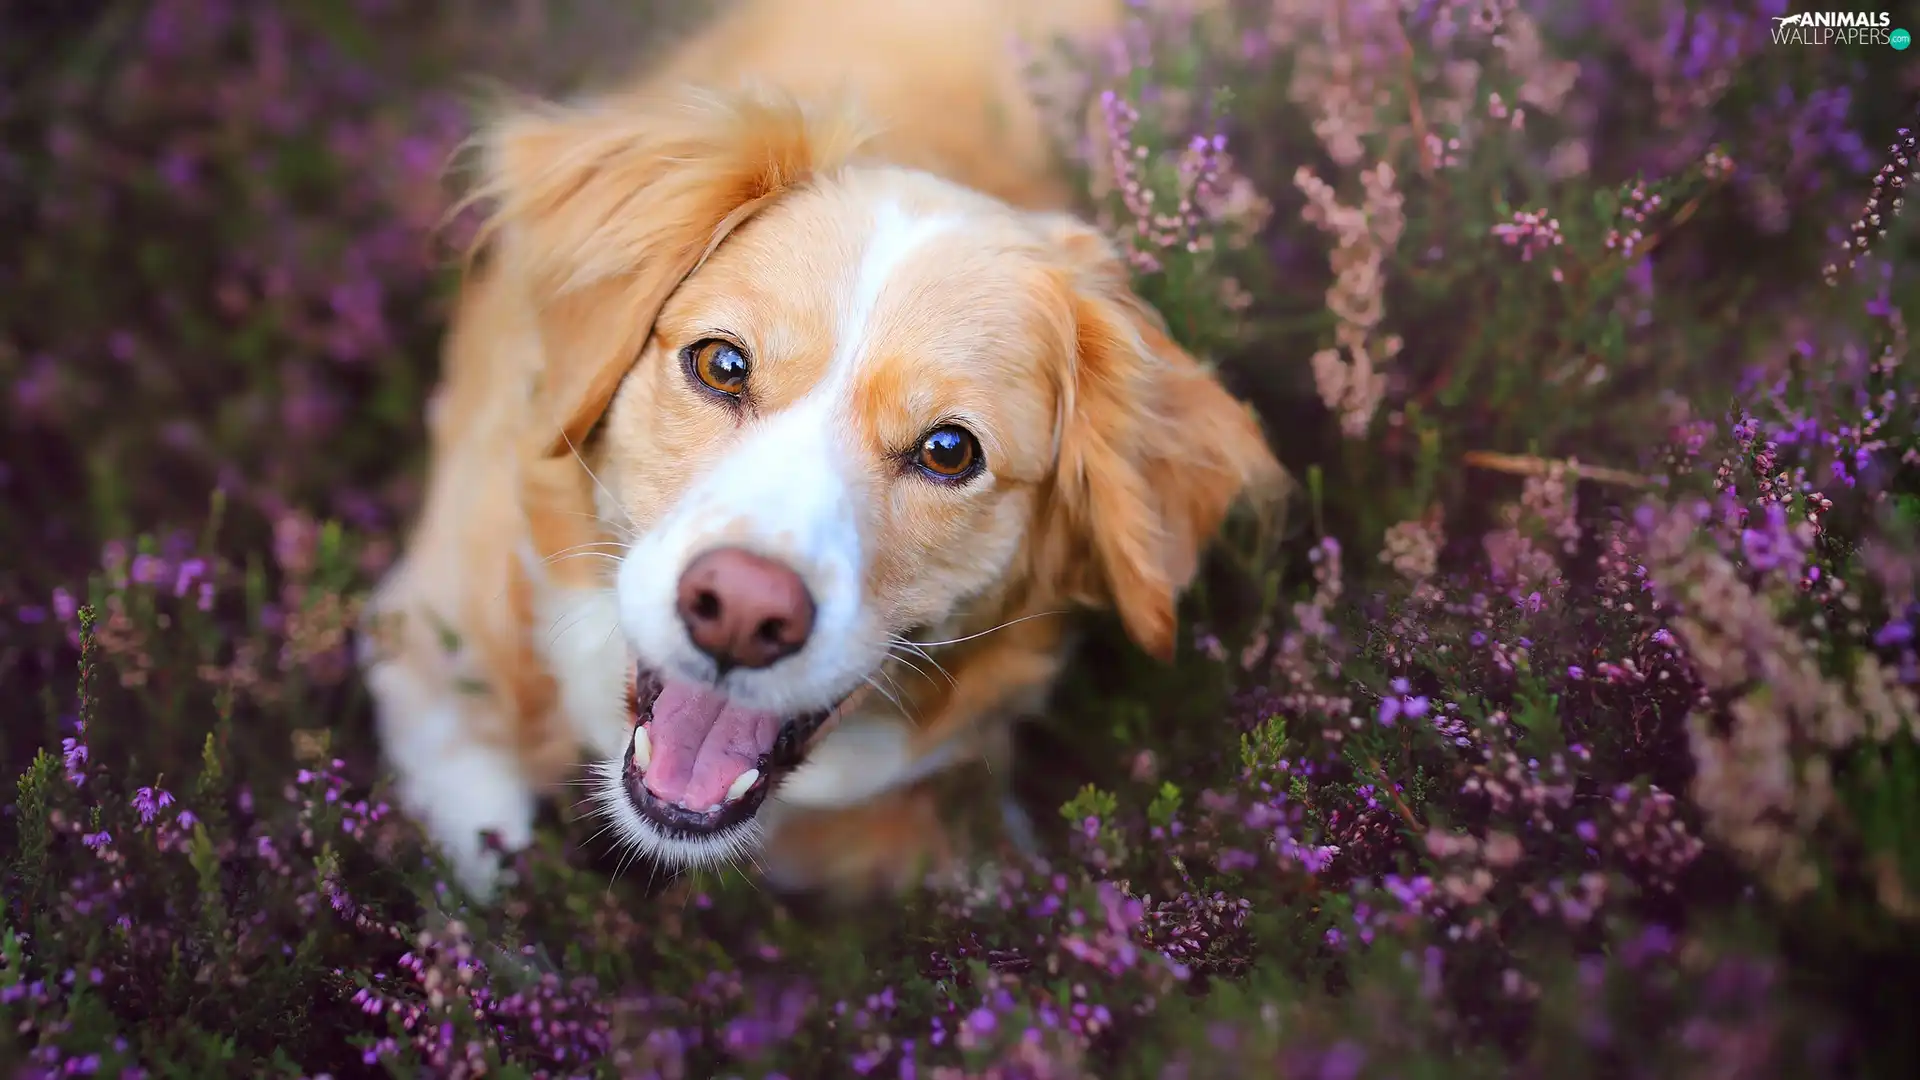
[786, 413]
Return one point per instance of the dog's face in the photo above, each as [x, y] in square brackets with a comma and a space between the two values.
[836, 438]
[871, 406]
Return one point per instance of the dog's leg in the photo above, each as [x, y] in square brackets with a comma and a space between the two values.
[464, 704]
[447, 739]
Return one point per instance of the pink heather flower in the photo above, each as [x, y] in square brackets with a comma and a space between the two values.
[1883, 204]
[1532, 231]
[1364, 236]
[1640, 204]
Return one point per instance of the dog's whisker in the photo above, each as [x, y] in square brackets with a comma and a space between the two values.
[898, 643]
[591, 475]
[628, 531]
[884, 692]
[747, 853]
[590, 548]
[554, 633]
[580, 614]
[984, 633]
[620, 868]
[621, 544]
[929, 658]
[599, 832]
[614, 560]
[900, 698]
[905, 658]
[904, 696]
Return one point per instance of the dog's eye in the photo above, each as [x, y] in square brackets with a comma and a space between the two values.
[719, 365]
[949, 452]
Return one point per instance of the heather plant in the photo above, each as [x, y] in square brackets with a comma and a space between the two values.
[1566, 727]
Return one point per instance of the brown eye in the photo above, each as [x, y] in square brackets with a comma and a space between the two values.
[949, 453]
[719, 365]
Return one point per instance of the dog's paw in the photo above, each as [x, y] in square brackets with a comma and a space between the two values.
[477, 809]
[479, 855]
[471, 798]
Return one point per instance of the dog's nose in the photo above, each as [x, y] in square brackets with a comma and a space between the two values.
[744, 610]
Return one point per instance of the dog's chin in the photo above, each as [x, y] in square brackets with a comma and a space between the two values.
[674, 832]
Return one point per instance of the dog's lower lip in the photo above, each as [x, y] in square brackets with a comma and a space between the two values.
[787, 753]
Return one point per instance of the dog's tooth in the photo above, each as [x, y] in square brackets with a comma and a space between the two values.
[747, 780]
[642, 748]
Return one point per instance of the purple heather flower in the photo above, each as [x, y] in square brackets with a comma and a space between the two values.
[1343, 1061]
[1389, 711]
[148, 802]
[73, 753]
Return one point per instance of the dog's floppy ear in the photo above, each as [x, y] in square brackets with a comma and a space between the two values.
[598, 211]
[1153, 449]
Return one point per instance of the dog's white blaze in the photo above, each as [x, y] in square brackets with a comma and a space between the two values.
[895, 237]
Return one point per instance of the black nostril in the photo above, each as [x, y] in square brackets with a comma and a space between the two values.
[706, 605]
[772, 631]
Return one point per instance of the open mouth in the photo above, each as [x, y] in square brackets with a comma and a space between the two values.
[699, 765]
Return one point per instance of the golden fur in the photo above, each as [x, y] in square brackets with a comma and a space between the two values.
[750, 185]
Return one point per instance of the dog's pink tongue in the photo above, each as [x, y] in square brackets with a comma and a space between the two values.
[702, 743]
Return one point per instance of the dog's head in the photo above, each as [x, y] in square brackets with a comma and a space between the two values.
[830, 406]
